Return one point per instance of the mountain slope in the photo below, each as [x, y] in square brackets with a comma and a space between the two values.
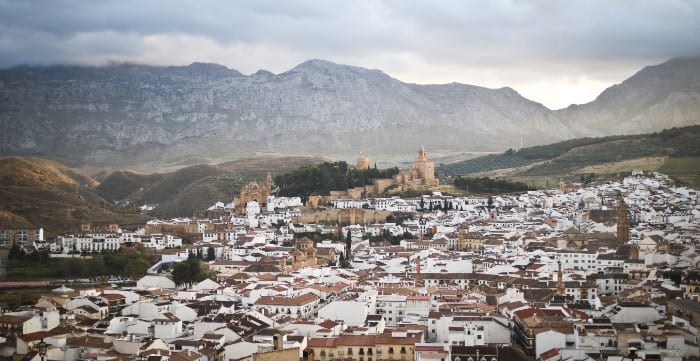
[665, 151]
[41, 193]
[193, 188]
[667, 94]
[132, 114]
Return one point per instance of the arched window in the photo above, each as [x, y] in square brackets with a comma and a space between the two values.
[391, 350]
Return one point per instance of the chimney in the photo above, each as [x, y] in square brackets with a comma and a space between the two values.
[278, 341]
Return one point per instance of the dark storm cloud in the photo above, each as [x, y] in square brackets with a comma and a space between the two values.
[549, 28]
[414, 39]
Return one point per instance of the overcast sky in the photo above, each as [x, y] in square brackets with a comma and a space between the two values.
[555, 52]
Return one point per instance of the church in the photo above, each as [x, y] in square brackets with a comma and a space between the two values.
[253, 191]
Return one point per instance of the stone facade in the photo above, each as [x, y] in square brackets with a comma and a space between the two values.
[304, 255]
[421, 174]
[342, 216]
[254, 191]
[362, 162]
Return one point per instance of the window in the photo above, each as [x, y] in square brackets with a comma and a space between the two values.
[323, 353]
[403, 350]
[391, 350]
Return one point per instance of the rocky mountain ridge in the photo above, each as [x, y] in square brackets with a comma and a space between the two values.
[126, 114]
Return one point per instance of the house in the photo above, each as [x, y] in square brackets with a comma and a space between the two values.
[13, 324]
[302, 306]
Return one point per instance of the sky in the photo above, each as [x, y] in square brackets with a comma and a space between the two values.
[554, 52]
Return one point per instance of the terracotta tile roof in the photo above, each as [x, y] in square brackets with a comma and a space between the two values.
[185, 355]
[549, 354]
[89, 341]
[389, 339]
[357, 340]
[322, 342]
[328, 324]
[113, 296]
[287, 301]
[35, 336]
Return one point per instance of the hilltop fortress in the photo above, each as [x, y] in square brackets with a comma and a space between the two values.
[421, 174]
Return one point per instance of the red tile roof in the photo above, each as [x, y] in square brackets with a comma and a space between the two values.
[287, 301]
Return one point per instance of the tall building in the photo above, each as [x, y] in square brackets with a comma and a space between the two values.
[623, 225]
[362, 162]
[425, 167]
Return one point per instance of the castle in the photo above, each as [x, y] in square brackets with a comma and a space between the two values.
[421, 174]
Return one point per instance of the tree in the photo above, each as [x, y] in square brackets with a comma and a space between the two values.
[343, 262]
[348, 244]
[189, 271]
[16, 252]
[136, 268]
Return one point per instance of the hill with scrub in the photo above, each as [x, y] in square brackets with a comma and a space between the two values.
[674, 151]
[37, 192]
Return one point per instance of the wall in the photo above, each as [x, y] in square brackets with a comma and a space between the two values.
[289, 354]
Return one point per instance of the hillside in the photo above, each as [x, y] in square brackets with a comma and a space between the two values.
[41, 193]
[37, 192]
[128, 115]
[193, 188]
[674, 151]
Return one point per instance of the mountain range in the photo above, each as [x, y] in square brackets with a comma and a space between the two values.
[122, 115]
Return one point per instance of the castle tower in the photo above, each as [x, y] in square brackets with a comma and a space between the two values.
[422, 155]
[425, 168]
[362, 162]
[623, 225]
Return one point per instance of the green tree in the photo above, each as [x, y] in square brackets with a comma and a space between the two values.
[348, 244]
[136, 268]
[181, 272]
[192, 270]
[343, 262]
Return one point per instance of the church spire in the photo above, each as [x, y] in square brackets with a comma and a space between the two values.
[623, 225]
